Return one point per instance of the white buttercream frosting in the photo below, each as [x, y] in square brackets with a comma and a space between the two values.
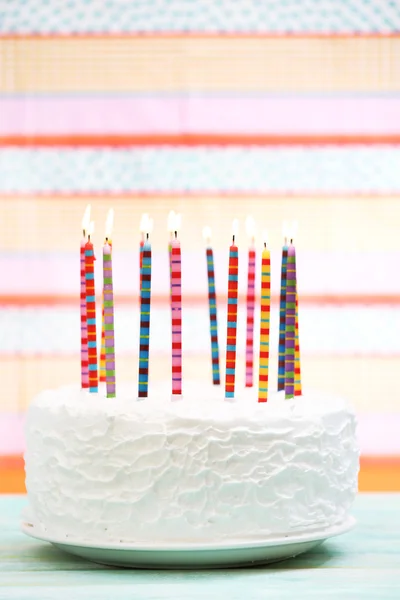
[197, 470]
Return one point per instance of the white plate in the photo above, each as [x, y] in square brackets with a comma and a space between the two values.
[187, 556]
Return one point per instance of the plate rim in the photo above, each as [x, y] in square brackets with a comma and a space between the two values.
[29, 528]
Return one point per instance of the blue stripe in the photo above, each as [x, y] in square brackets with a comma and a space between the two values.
[232, 324]
[90, 298]
[92, 367]
[91, 321]
[92, 344]
[233, 277]
[232, 301]
[230, 371]
[229, 394]
[89, 276]
[143, 377]
[93, 389]
[144, 354]
[230, 348]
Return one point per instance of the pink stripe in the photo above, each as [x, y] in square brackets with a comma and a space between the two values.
[198, 115]
[54, 273]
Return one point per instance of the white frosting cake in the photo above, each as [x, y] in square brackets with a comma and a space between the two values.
[197, 470]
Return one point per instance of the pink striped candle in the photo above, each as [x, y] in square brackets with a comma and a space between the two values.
[83, 305]
[250, 303]
[84, 331]
[176, 316]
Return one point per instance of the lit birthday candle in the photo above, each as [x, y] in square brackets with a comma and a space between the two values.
[250, 302]
[282, 313]
[84, 332]
[84, 348]
[297, 361]
[145, 302]
[232, 316]
[102, 377]
[264, 322]
[108, 304]
[176, 311]
[171, 231]
[212, 304]
[143, 228]
[290, 321]
[91, 311]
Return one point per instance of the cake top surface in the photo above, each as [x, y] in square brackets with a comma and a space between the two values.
[199, 401]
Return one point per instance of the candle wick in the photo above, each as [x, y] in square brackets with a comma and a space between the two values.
[147, 236]
[233, 239]
[176, 234]
[106, 239]
[88, 237]
[84, 233]
[265, 244]
[291, 240]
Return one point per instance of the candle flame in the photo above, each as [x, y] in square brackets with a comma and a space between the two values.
[285, 230]
[295, 227]
[150, 224]
[250, 227]
[178, 221]
[144, 223]
[235, 227]
[109, 222]
[90, 228]
[86, 218]
[207, 234]
[171, 221]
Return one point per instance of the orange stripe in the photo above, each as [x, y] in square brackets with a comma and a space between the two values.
[189, 139]
[377, 474]
[199, 299]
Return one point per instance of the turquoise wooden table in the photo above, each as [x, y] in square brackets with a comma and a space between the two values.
[363, 564]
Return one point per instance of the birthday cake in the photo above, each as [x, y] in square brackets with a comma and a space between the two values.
[198, 470]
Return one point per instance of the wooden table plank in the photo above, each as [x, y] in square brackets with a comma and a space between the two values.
[364, 563]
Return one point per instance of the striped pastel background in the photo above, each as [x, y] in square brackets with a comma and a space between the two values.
[283, 109]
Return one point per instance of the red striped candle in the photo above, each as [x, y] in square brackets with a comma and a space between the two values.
[176, 315]
[230, 371]
[91, 314]
[84, 333]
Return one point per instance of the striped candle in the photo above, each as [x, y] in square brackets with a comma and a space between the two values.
[250, 304]
[108, 304]
[232, 320]
[84, 331]
[290, 322]
[265, 311]
[145, 301]
[212, 304]
[297, 362]
[171, 222]
[176, 316]
[102, 377]
[282, 321]
[91, 316]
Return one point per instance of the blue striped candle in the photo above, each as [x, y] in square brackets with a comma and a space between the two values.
[145, 301]
[212, 302]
